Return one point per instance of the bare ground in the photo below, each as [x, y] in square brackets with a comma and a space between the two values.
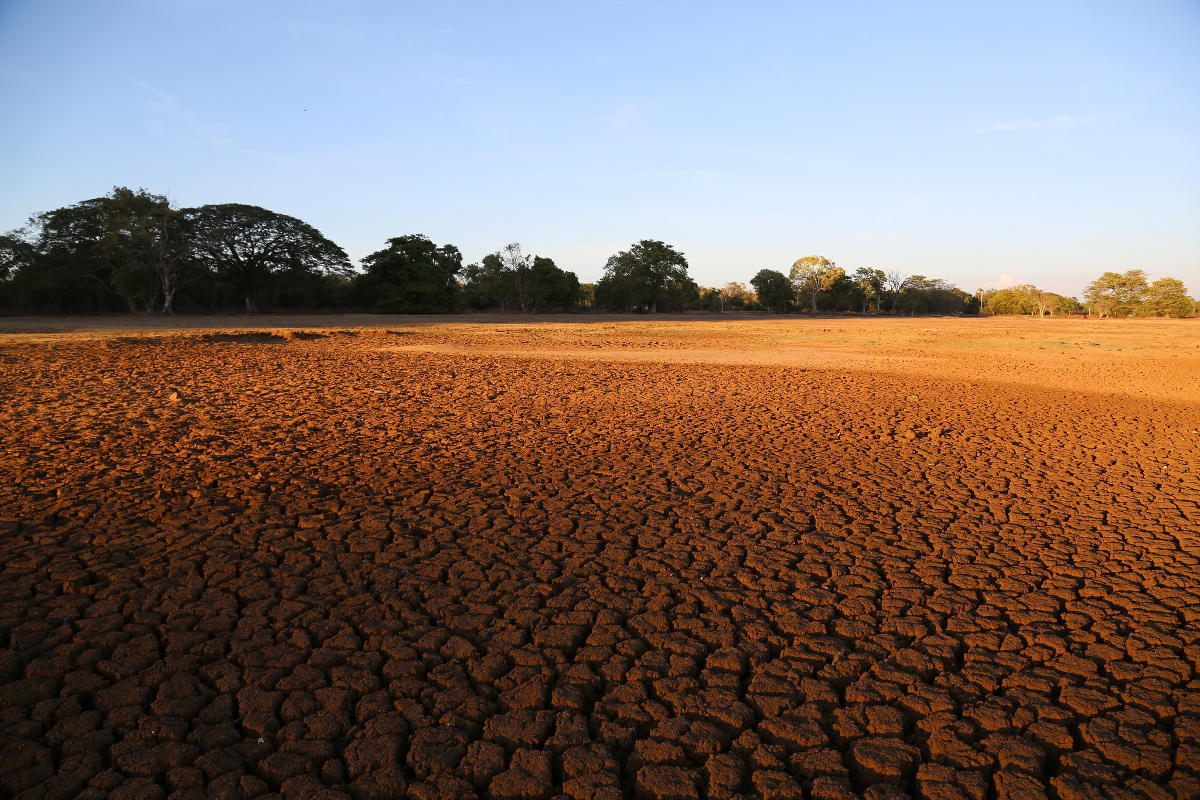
[703, 557]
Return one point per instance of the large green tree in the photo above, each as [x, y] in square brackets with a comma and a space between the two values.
[711, 299]
[774, 290]
[148, 242]
[16, 251]
[249, 248]
[410, 275]
[1167, 297]
[74, 249]
[1026, 299]
[923, 295]
[16, 255]
[1116, 294]
[844, 294]
[735, 295]
[1010, 300]
[511, 277]
[650, 275]
[551, 287]
[812, 275]
[487, 284]
[870, 283]
[129, 244]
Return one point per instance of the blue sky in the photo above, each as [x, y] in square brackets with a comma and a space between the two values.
[989, 143]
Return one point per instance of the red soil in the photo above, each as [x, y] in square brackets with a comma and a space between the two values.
[775, 558]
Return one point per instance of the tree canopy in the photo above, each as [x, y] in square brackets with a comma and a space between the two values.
[812, 275]
[651, 276]
[1113, 294]
[509, 277]
[135, 248]
[551, 287]
[60, 264]
[922, 295]
[248, 247]
[134, 251]
[1027, 299]
[15, 251]
[774, 289]
[410, 275]
[149, 246]
[1167, 297]
[128, 245]
[870, 284]
[1116, 294]
[737, 296]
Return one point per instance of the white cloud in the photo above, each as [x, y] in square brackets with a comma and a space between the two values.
[1003, 282]
[1058, 122]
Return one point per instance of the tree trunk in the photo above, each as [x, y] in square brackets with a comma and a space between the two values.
[249, 299]
[168, 280]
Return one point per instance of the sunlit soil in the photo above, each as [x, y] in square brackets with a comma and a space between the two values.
[600, 557]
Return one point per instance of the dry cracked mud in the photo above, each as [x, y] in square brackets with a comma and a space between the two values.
[774, 559]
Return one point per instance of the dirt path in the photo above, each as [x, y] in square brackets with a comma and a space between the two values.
[766, 559]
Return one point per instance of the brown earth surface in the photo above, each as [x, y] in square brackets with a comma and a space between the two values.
[600, 557]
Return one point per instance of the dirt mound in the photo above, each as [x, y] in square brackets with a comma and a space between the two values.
[340, 570]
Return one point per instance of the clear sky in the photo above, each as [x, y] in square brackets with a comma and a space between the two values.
[983, 143]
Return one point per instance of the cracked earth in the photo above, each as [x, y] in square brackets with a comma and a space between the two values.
[944, 559]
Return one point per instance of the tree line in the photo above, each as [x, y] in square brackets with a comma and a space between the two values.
[1113, 294]
[133, 251]
[816, 284]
